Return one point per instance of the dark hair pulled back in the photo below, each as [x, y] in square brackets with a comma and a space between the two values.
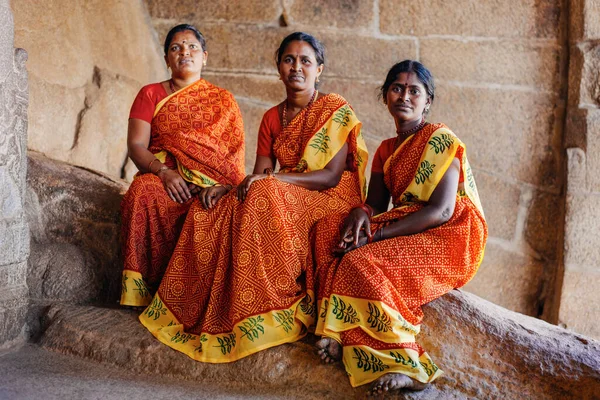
[302, 37]
[182, 28]
[422, 73]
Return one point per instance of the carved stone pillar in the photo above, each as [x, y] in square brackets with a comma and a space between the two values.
[14, 230]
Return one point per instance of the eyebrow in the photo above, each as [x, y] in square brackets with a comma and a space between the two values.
[411, 86]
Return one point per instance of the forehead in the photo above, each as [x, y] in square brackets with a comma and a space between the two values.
[187, 36]
[408, 79]
[298, 47]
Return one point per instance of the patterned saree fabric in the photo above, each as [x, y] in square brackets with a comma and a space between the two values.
[236, 283]
[199, 131]
[370, 300]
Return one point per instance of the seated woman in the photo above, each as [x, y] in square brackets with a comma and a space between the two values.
[237, 281]
[385, 267]
[185, 136]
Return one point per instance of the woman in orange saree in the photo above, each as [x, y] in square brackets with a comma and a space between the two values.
[186, 136]
[385, 267]
[238, 280]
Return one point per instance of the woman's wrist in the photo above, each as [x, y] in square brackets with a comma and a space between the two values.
[161, 170]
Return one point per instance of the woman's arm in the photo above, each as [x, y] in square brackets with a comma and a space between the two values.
[437, 211]
[322, 179]
[138, 140]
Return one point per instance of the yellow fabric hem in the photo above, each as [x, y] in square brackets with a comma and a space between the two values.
[365, 364]
[191, 175]
[253, 334]
[134, 291]
[377, 319]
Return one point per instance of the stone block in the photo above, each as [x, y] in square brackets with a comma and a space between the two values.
[523, 18]
[363, 57]
[101, 140]
[580, 303]
[14, 245]
[116, 27]
[75, 222]
[251, 11]
[13, 275]
[507, 131]
[544, 224]
[58, 41]
[12, 318]
[590, 75]
[575, 76]
[6, 42]
[582, 242]
[54, 112]
[266, 89]
[584, 20]
[500, 201]
[377, 122]
[493, 61]
[593, 151]
[509, 279]
[344, 14]
[63, 272]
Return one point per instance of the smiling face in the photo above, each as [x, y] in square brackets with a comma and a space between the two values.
[185, 56]
[407, 98]
[299, 68]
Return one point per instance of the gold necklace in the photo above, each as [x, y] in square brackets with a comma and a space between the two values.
[284, 111]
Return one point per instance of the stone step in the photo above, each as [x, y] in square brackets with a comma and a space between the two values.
[116, 337]
[487, 352]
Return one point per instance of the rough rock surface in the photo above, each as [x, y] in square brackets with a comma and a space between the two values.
[74, 218]
[486, 351]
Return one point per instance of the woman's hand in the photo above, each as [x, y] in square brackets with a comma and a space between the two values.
[209, 196]
[176, 187]
[355, 231]
[193, 188]
[242, 189]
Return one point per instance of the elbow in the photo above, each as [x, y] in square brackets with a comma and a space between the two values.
[332, 181]
[444, 214]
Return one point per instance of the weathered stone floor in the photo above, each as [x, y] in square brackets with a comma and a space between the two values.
[34, 373]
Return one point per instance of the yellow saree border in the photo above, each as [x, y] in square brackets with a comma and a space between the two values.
[253, 334]
[340, 313]
[331, 137]
[134, 291]
[365, 364]
[442, 146]
[190, 175]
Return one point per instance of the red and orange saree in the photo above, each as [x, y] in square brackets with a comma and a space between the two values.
[370, 300]
[199, 131]
[237, 281]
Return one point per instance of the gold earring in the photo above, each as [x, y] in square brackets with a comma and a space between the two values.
[204, 63]
[317, 79]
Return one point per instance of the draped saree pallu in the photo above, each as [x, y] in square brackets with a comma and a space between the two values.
[199, 131]
[236, 283]
[370, 300]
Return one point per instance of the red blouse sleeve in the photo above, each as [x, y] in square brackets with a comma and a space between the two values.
[270, 127]
[146, 100]
[384, 151]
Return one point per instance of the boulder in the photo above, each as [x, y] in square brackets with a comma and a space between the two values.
[74, 217]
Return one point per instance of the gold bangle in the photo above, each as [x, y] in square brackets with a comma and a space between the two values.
[150, 164]
[161, 169]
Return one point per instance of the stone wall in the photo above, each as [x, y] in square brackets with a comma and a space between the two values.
[500, 86]
[578, 289]
[88, 59]
[14, 231]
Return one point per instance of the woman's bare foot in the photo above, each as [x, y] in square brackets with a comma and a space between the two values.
[329, 350]
[394, 381]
